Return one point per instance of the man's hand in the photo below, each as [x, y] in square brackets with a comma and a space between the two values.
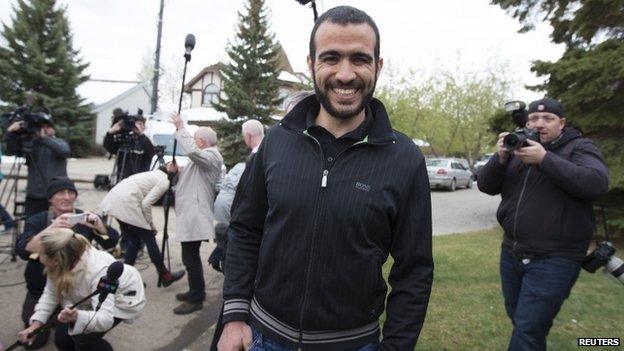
[23, 335]
[171, 167]
[176, 120]
[68, 315]
[503, 153]
[15, 126]
[216, 259]
[116, 127]
[533, 154]
[236, 336]
[139, 127]
[62, 221]
[95, 222]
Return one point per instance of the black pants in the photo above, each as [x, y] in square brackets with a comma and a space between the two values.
[28, 308]
[33, 206]
[135, 236]
[193, 264]
[80, 342]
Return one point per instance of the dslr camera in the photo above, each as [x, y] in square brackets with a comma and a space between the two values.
[518, 138]
[603, 256]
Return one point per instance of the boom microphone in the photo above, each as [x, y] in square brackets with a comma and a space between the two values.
[110, 282]
[189, 45]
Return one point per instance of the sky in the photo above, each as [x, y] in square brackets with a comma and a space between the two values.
[470, 35]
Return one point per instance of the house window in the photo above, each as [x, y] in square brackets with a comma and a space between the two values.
[211, 95]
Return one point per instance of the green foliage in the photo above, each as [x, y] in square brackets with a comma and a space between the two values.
[39, 59]
[250, 80]
[466, 310]
[589, 78]
[449, 110]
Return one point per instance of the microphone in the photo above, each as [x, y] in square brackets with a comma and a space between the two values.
[189, 44]
[109, 283]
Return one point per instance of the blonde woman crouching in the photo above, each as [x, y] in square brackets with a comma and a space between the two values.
[73, 269]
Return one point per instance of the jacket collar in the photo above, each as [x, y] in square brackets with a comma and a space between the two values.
[567, 135]
[380, 128]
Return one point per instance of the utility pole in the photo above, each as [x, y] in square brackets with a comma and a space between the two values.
[157, 60]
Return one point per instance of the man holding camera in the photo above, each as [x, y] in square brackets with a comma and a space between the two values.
[62, 194]
[126, 137]
[546, 214]
[46, 158]
[330, 194]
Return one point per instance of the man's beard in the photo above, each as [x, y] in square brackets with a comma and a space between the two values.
[323, 98]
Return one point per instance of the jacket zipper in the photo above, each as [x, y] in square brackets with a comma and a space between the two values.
[319, 208]
[515, 238]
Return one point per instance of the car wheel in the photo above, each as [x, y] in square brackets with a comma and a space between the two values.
[469, 184]
[453, 185]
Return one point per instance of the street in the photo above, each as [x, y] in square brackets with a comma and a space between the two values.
[158, 328]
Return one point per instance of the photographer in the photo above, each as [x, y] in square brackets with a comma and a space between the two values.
[125, 139]
[546, 214]
[46, 157]
[62, 196]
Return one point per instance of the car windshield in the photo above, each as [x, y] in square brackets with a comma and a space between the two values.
[167, 141]
[437, 163]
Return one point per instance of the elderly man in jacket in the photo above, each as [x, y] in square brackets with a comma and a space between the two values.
[194, 199]
[546, 213]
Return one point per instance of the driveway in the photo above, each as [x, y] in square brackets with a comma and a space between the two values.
[159, 329]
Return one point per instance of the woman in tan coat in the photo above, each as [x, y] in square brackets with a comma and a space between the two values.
[130, 202]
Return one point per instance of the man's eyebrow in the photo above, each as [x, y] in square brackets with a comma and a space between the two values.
[329, 53]
[358, 54]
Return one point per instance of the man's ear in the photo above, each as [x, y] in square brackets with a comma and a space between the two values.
[379, 66]
[310, 64]
[563, 121]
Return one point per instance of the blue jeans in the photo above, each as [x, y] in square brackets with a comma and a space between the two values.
[534, 291]
[261, 343]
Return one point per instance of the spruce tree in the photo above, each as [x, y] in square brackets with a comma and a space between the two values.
[39, 59]
[250, 83]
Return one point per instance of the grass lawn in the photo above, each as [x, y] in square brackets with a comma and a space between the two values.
[466, 307]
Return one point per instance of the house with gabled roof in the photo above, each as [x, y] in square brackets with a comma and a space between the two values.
[206, 87]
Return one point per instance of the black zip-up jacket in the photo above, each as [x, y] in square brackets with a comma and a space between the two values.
[34, 275]
[546, 209]
[137, 158]
[306, 244]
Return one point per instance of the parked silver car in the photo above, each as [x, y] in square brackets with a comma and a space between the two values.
[448, 173]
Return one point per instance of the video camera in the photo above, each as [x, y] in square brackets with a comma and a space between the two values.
[31, 121]
[603, 255]
[518, 138]
[127, 125]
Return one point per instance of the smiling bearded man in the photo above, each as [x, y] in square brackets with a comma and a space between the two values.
[331, 192]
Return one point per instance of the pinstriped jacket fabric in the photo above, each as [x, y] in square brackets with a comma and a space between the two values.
[307, 242]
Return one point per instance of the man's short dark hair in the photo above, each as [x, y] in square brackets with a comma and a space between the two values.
[344, 15]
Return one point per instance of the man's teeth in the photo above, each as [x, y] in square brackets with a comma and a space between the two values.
[345, 91]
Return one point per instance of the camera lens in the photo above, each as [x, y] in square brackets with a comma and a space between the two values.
[512, 141]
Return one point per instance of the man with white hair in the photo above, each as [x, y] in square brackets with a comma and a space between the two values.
[194, 201]
[253, 133]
